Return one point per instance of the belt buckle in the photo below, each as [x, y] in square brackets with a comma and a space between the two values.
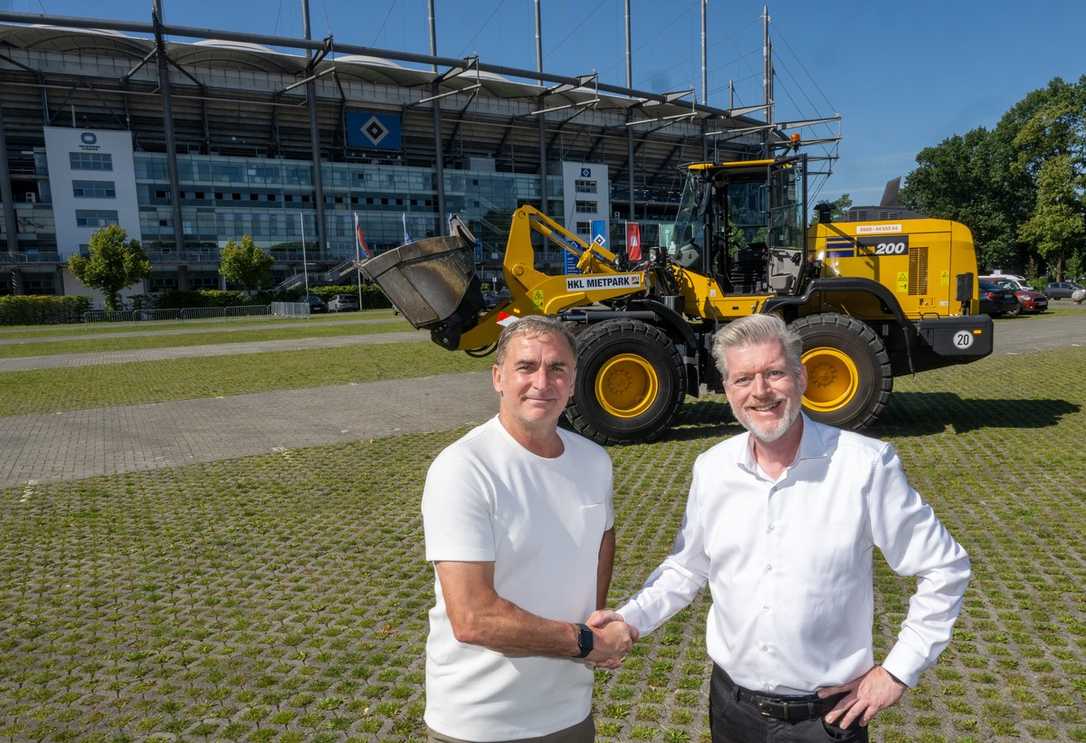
[765, 708]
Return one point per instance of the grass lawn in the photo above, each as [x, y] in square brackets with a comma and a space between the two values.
[100, 385]
[200, 338]
[15, 332]
[284, 597]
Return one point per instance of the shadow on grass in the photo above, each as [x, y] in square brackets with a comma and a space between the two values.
[924, 413]
[908, 414]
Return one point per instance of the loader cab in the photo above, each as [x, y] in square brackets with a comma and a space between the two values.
[743, 224]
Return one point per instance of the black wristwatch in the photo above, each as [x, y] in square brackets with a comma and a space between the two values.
[585, 640]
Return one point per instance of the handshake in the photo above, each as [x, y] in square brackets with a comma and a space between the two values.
[613, 639]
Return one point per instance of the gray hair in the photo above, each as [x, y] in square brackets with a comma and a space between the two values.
[534, 325]
[752, 330]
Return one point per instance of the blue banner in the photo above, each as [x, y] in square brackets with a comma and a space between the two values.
[569, 264]
[373, 130]
[599, 232]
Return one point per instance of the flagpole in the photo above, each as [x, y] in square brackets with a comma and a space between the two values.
[305, 267]
[357, 259]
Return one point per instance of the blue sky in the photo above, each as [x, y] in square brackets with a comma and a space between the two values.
[903, 75]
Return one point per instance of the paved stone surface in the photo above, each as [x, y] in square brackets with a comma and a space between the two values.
[23, 363]
[244, 328]
[1038, 332]
[109, 440]
[77, 444]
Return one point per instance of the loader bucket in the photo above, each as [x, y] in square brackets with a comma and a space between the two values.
[432, 283]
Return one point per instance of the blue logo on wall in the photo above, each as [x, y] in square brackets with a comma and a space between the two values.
[586, 172]
[89, 138]
[373, 130]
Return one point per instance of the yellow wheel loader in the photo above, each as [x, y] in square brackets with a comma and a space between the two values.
[871, 300]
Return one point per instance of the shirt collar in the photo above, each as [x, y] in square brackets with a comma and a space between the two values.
[811, 446]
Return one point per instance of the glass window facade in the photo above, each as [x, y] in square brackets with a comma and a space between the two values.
[95, 217]
[90, 160]
[224, 198]
[94, 189]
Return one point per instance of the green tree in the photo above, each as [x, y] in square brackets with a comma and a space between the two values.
[969, 178]
[114, 263]
[245, 264]
[1056, 228]
[989, 179]
[840, 207]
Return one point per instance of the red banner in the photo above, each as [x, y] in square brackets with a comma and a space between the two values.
[633, 241]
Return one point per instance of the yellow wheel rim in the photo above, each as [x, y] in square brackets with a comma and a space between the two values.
[627, 385]
[832, 379]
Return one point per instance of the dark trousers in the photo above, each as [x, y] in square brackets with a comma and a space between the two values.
[582, 732]
[735, 721]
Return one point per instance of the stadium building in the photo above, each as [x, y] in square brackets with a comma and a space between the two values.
[87, 119]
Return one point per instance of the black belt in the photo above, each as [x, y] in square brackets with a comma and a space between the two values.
[786, 709]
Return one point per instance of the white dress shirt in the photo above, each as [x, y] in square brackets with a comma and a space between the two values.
[789, 563]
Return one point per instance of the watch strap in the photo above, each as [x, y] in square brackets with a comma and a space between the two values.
[585, 640]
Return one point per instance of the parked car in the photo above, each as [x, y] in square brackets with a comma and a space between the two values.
[343, 303]
[1030, 299]
[1007, 277]
[996, 300]
[316, 304]
[1061, 289]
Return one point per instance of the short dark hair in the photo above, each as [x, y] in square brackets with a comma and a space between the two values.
[534, 325]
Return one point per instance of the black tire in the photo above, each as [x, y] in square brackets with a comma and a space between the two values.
[1014, 312]
[644, 376]
[837, 394]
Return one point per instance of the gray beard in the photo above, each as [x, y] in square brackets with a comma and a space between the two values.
[791, 412]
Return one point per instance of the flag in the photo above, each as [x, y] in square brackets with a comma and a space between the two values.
[360, 239]
[406, 236]
[633, 241]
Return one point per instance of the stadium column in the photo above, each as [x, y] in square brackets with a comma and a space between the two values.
[543, 195]
[167, 125]
[439, 146]
[314, 137]
[629, 116]
[11, 225]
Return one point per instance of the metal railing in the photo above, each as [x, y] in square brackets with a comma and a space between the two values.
[34, 257]
[181, 313]
[290, 309]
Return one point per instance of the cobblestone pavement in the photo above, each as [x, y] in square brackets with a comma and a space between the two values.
[23, 363]
[139, 437]
[242, 328]
[71, 445]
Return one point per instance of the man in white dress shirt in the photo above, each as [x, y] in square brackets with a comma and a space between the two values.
[781, 523]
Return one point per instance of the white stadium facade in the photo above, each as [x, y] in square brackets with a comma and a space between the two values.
[189, 138]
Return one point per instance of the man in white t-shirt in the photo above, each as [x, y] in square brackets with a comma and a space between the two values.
[519, 526]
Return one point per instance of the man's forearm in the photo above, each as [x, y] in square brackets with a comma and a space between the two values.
[504, 627]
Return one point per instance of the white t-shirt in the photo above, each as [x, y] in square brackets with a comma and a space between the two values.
[540, 521]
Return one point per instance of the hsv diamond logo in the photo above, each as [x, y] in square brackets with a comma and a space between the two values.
[586, 172]
[374, 130]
